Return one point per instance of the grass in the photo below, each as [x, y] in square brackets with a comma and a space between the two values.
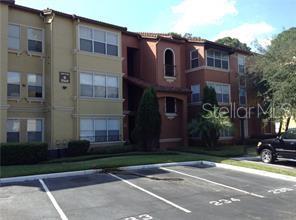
[110, 162]
[223, 151]
[130, 159]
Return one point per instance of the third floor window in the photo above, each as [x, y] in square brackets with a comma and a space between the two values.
[13, 84]
[35, 39]
[217, 59]
[193, 59]
[169, 63]
[35, 86]
[98, 41]
[13, 37]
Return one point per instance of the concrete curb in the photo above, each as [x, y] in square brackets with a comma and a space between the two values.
[47, 176]
[149, 166]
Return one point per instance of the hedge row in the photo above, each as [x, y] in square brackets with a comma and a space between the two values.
[24, 153]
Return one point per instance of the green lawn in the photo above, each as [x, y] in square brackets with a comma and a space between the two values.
[223, 151]
[126, 159]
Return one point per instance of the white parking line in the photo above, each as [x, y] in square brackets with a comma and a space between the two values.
[150, 193]
[209, 181]
[54, 202]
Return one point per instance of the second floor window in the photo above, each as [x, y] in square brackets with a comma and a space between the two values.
[169, 63]
[195, 93]
[13, 84]
[170, 105]
[98, 86]
[98, 41]
[242, 96]
[217, 59]
[193, 59]
[13, 130]
[222, 92]
[35, 86]
[13, 37]
[35, 37]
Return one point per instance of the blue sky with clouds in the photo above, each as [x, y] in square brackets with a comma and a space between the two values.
[211, 19]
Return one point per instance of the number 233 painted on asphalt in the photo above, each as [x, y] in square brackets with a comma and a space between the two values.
[140, 217]
[224, 201]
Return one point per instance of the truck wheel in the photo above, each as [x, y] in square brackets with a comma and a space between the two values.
[267, 156]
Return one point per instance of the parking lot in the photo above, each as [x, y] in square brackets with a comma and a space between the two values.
[179, 192]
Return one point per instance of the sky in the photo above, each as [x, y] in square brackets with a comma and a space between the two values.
[247, 20]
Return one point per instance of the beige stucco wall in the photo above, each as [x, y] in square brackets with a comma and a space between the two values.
[62, 106]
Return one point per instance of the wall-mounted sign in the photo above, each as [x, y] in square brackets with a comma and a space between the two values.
[64, 77]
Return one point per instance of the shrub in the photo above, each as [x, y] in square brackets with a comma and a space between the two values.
[112, 149]
[148, 122]
[23, 153]
[77, 148]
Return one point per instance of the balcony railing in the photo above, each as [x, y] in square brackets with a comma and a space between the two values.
[169, 70]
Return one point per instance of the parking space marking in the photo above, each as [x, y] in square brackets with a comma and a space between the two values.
[209, 181]
[53, 201]
[150, 193]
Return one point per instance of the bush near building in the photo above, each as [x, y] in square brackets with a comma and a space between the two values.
[77, 148]
[23, 153]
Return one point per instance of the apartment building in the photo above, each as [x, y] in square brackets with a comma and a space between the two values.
[65, 77]
[61, 77]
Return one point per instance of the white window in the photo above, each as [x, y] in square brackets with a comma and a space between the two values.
[170, 105]
[98, 86]
[222, 92]
[13, 130]
[217, 59]
[100, 130]
[195, 93]
[227, 132]
[35, 89]
[34, 130]
[112, 87]
[241, 64]
[13, 84]
[13, 37]
[98, 41]
[242, 96]
[35, 38]
[193, 59]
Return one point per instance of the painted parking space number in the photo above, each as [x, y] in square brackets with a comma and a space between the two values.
[224, 201]
[140, 217]
[280, 190]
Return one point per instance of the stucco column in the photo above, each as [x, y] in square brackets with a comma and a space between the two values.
[185, 122]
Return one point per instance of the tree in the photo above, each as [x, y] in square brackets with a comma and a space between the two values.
[210, 125]
[274, 72]
[211, 120]
[233, 42]
[148, 122]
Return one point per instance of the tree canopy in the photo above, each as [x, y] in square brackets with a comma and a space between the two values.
[274, 72]
[233, 42]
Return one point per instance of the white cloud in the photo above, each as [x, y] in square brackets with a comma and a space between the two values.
[248, 32]
[196, 13]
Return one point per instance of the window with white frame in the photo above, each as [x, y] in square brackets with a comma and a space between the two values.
[13, 37]
[98, 86]
[35, 130]
[242, 96]
[12, 130]
[217, 59]
[98, 41]
[226, 132]
[195, 93]
[222, 91]
[170, 105]
[35, 39]
[100, 130]
[13, 84]
[193, 59]
[35, 89]
[241, 64]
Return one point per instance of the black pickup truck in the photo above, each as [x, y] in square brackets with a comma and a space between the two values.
[283, 146]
